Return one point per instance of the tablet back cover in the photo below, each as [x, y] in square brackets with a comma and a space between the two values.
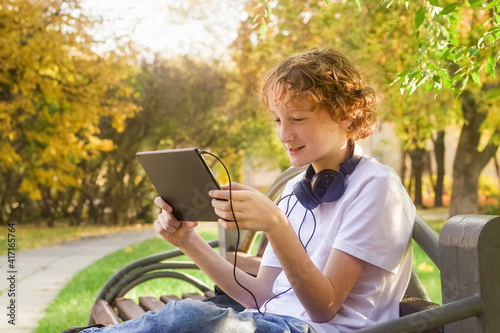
[182, 179]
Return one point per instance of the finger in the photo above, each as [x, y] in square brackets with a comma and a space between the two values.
[190, 224]
[218, 194]
[162, 221]
[228, 225]
[169, 224]
[162, 230]
[236, 186]
[162, 204]
[226, 194]
[170, 220]
[159, 228]
[225, 214]
[173, 222]
[224, 205]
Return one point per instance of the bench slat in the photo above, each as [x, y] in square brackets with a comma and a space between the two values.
[167, 298]
[149, 303]
[194, 296]
[128, 309]
[104, 314]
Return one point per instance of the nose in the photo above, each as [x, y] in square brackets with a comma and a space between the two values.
[285, 132]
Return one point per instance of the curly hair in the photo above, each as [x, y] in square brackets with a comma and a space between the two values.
[329, 80]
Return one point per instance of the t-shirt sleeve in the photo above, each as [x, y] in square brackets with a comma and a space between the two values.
[269, 258]
[377, 224]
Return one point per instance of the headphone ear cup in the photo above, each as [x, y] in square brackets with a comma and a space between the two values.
[321, 181]
[304, 193]
[328, 185]
[336, 189]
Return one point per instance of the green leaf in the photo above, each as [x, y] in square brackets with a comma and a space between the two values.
[464, 84]
[435, 3]
[445, 32]
[413, 87]
[269, 9]
[263, 27]
[448, 9]
[492, 4]
[390, 30]
[490, 70]
[476, 3]
[475, 78]
[491, 61]
[472, 51]
[419, 17]
[436, 78]
[403, 73]
[448, 83]
[358, 4]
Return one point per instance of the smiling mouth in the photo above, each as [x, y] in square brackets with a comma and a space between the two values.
[295, 149]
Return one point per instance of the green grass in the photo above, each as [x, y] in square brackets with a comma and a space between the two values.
[72, 305]
[428, 273]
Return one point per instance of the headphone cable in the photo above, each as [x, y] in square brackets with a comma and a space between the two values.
[238, 233]
[237, 229]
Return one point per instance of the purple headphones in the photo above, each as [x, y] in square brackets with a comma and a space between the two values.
[324, 186]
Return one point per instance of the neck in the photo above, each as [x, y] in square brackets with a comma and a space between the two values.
[343, 154]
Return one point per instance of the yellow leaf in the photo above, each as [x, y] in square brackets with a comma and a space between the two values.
[30, 187]
[424, 267]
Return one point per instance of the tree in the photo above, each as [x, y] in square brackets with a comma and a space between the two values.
[354, 31]
[430, 47]
[54, 89]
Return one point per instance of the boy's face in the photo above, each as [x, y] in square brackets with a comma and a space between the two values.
[308, 133]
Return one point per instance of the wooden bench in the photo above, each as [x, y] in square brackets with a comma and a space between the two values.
[127, 309]
[467, 253]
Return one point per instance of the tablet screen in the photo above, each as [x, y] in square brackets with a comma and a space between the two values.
[183, 179]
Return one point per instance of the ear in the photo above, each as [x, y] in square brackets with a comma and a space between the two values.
[345, 123]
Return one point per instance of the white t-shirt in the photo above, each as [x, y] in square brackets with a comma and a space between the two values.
[372, 221]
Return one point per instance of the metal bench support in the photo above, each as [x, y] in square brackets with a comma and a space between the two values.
[469, 257]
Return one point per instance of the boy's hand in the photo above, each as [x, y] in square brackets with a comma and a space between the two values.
[253, 210]
[167, 226]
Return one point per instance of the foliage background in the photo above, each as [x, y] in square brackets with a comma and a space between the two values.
[72, 114]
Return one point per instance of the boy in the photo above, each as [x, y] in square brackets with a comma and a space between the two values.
[339, 252]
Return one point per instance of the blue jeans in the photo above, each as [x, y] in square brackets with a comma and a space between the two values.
[196, 316]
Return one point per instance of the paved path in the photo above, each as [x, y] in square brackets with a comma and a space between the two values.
[42, 273]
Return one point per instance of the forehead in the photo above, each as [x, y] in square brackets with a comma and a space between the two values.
[283, 97]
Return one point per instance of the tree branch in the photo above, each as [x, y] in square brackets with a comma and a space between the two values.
[489, 151]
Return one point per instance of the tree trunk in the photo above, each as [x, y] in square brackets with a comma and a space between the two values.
[402, 167]
[439, 150]
[469, 162]
[417, 168]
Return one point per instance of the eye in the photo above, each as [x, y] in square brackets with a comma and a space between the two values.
[298, 120]
[276, 121]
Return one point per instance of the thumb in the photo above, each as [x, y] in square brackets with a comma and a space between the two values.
[190, 224]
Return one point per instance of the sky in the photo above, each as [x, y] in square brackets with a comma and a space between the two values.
[171, 26]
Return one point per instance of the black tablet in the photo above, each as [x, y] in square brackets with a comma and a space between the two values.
[183, 179]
